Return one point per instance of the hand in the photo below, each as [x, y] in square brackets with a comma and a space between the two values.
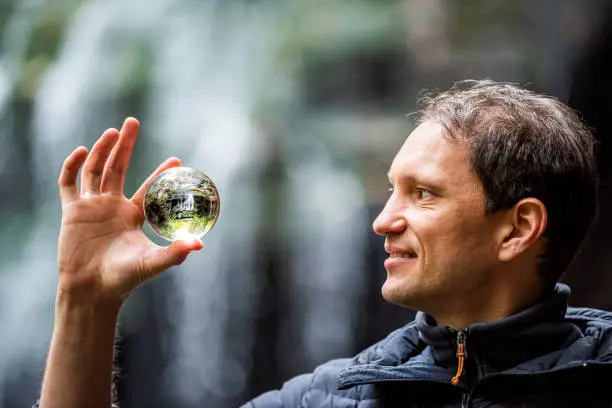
[103, 253]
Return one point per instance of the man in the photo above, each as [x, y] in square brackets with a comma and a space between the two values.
[492, 195]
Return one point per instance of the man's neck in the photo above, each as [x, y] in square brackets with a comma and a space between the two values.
[487, 306]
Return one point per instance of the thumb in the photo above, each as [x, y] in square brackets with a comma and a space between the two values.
[174, 254]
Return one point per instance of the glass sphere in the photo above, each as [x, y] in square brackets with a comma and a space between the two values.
[181, 203]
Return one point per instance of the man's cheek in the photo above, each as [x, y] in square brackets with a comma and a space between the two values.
[430, 220]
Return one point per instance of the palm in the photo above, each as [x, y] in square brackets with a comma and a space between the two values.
[101, 244]
[102, 234]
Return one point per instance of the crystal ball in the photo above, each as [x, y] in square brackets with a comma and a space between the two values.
[181, 203]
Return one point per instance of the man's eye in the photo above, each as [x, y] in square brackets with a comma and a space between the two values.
[424, 194]
[391, 189]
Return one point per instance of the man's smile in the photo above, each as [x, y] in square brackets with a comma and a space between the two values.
[399, 256]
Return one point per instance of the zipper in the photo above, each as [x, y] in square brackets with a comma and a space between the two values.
[461, 355]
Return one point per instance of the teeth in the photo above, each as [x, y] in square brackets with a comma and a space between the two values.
[403, 255]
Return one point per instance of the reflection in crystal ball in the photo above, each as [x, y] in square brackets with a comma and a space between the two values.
[181, 203]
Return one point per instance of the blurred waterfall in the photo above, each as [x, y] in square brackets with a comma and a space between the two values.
[329, 224]
[26, 292]
[208, 65]
[199, 109]
[206, 77]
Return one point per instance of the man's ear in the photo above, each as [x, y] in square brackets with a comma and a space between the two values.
[526, 222]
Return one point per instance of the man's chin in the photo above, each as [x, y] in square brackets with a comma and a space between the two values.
[398, 294]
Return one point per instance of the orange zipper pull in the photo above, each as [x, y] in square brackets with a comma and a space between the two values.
[461, 355]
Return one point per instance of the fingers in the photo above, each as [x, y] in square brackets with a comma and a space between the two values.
[68, 175]
[116, 167]
[91, 176]
[163, 258]
[138, 196]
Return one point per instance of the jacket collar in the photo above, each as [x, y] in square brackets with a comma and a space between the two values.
[424, 350]
[507, 342]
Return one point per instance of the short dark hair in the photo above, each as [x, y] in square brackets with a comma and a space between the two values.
[523, 144]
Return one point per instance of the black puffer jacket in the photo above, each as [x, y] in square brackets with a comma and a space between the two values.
[547, 356]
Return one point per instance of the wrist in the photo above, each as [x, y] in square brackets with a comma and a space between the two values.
[76, 294]
[92, 310]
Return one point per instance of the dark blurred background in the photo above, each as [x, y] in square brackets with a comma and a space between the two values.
[295, 109]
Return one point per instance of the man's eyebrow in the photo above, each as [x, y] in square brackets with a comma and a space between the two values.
[428, 182]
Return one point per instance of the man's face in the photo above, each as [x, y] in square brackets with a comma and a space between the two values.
[438, 236]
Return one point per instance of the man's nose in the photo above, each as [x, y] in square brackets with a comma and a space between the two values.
[389, 222]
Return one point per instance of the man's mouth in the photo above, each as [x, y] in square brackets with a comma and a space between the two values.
[409, 254]
[397, 259]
